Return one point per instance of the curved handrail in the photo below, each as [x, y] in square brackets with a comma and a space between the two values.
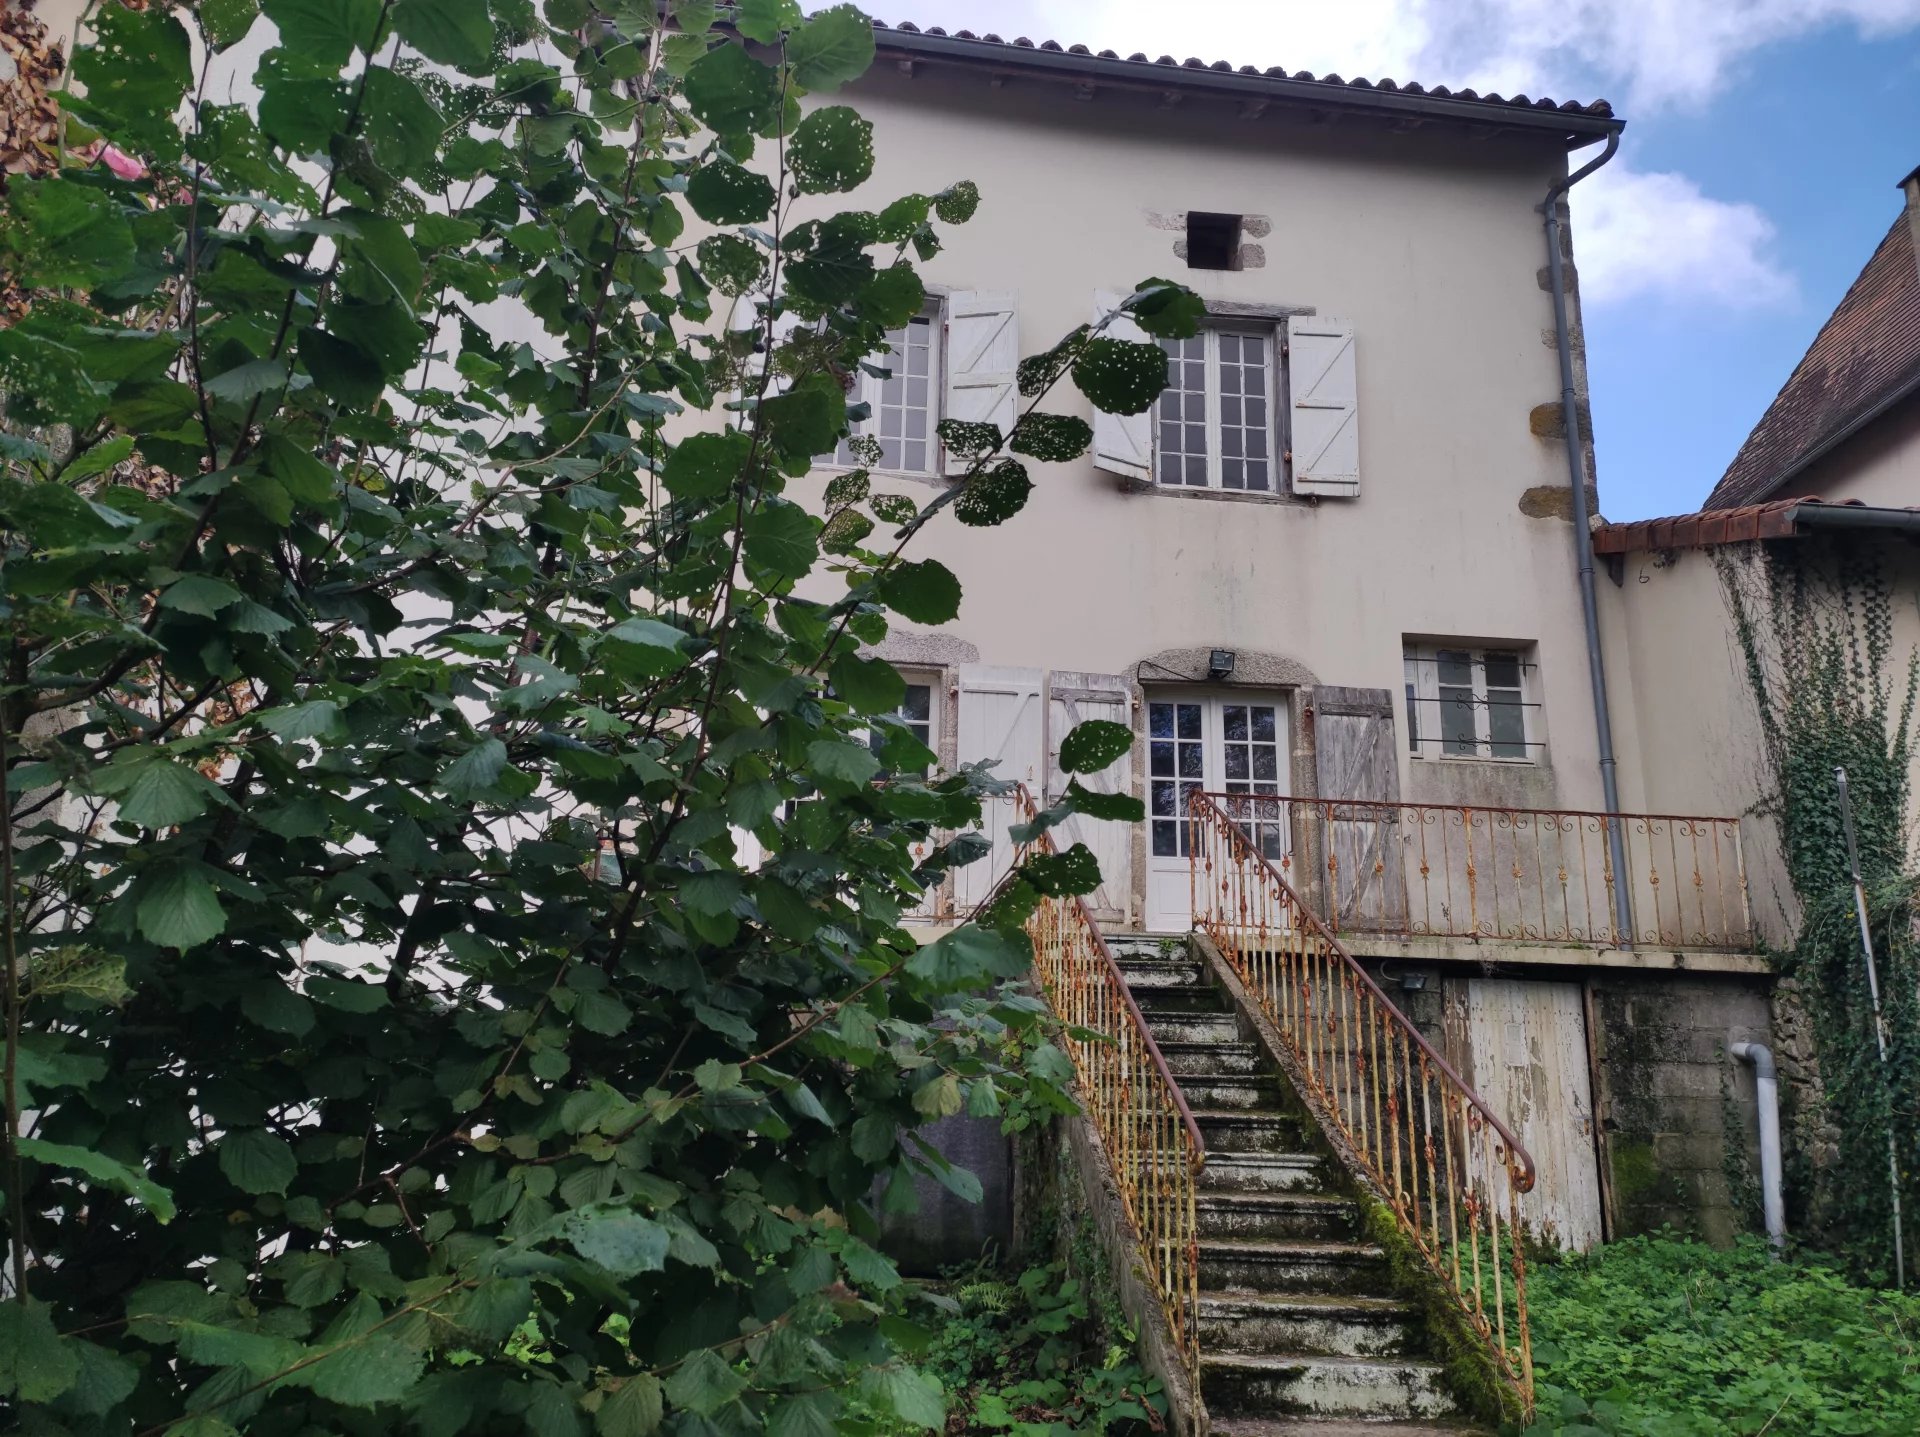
[1402, 1115]
[1479, 808]
[1145, 1126]
[1528, 1171]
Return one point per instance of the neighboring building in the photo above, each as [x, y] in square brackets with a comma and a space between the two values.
[1846, 425]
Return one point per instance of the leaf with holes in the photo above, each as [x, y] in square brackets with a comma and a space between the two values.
[1120, 376]
[1063, 875]
[723, 193]
[966, 439]
[1117, 807]
[832, 49]
[731, 265]
[1167, 310]
[731, 91]
[1052, 438]
[924, 591]
[994, 495]
[831, 151]
[1094, 745]
[956, 204]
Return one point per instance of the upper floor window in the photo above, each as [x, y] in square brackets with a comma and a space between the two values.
[903, 397]
[1214, 421]
[1471, 702]
[917, 714]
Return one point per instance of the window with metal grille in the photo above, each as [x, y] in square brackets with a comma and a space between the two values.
[901, 388]
[1472, 703]
[1215, 419]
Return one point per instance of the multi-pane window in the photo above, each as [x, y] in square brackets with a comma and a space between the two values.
[915, 715]
[1250, 763]
[905, 410]
[1470, 703]
[1214, 420]
[1176, 767]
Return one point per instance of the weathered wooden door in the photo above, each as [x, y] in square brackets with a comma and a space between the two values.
[1361, 858]
[1002, 717]
[1073, 698]
[1528, 1058]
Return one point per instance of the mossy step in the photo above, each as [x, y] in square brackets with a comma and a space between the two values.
[1256, 1172]
[1271, 1265]
[1352, 1324]
[1243, 1130]
[1276, 1215]
[1249, 1091]
[1306, 1384]
[1222, 1057]
[1155, 999]
[1177, 1027]
[1143, 972]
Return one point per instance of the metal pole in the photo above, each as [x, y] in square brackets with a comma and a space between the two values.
[1879, 1022]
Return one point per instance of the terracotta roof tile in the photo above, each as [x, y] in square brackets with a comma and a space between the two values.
[1596, 109]
[1709, 527]
[1865, 356]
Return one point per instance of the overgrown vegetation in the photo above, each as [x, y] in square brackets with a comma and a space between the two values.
[1663, 1337]
[413, 595]
[1045, 1354]
[1815, 625]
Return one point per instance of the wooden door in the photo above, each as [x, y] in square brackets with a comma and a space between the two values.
[1528, 1047]
[1361, 865]
[1073, 698]
[1002, 719]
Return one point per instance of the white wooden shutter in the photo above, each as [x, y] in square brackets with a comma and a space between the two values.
[1355, 757]
[1326, 406]
[1002, 718]
[983, 357]
[1122, 443]
[1072, 699]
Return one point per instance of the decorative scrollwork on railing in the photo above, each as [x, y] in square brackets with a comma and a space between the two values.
[1449, 1169]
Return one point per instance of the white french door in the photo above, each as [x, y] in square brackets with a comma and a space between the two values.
[1228, 742]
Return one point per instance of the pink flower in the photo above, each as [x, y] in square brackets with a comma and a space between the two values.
[116, 159]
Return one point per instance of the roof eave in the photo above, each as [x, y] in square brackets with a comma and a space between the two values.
[1574, 128]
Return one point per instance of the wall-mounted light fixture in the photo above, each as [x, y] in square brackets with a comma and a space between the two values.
[1413, 980]
[1220, 665]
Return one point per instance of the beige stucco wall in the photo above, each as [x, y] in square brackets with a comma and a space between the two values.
[1430, 246]
[1694, 707]
[1879, 466]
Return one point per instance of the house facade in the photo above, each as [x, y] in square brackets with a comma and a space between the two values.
[1331, 573]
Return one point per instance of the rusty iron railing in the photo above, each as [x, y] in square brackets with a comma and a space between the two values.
[1516, 874]
[1449, 1169]
[1127, 1090]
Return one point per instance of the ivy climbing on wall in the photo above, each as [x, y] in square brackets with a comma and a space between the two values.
[1815, 625]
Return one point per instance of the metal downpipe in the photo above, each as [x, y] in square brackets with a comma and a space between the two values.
[1583, 549]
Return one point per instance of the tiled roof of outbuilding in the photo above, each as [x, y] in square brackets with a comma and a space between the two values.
[1865, 358]
[1588, 117]
[1709, 528]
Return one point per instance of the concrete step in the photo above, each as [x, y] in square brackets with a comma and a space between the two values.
[1212, 1057]
[1340, 1427]
[1179, 998]
[1233, 1090]
[1272, 1265]
[1303, 1384]
[1264, 1173]
[1143, 945]
[1305, 1322]
[1316, 1216]
[1239, 1130]
[1142, 972]
[1168, 1027]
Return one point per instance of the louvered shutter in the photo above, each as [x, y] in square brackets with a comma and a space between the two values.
[1326, 406]
[1002, 718]
[1122, 443]
[983, 356]
[1072, 699]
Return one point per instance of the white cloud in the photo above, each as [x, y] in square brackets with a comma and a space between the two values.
[1640, 235]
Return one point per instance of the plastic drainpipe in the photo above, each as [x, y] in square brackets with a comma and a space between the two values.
[1773, 1202]
[1583, 548]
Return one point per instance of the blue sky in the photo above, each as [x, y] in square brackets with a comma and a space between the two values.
[1757, 173]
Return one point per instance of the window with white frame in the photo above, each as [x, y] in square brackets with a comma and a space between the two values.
[902, 389]
[1472, 702]
[917, 714]
[1214, 422]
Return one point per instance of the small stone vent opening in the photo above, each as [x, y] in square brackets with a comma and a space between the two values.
[1213, 240]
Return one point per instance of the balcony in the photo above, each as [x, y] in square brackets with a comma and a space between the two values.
[1416, 874]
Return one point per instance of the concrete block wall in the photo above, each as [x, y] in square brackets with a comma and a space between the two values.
[1679, 1141]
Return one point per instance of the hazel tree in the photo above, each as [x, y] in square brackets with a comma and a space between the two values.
[414, 599]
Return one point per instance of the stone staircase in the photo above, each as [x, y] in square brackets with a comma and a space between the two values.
[1301, 1331]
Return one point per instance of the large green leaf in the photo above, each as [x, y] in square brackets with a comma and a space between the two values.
[36, 1365]
[1094, 745]
[831, 151]
[634, 1410]
[834, 47]
[105, 1171]
[1120, 376]
[325, 32]
[365, 1373]
[255, 1161]
[924, 591]
[64, 235]
[177, 907]
[158, 793]
[454, 32]
[704, 466]
[623, 1242]
[723, 193]
[782, 539]
[704, 1383]
[731, 91]
[136, 75]
[871, 686]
